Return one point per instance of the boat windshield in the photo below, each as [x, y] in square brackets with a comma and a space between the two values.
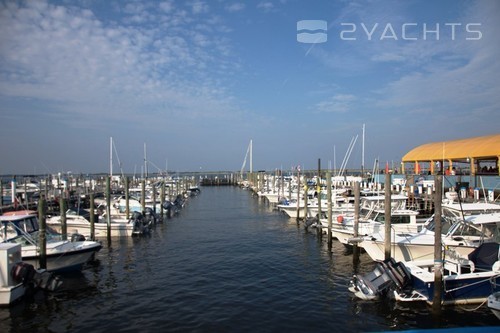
[395, 219]
[446, 224]
[465, 229]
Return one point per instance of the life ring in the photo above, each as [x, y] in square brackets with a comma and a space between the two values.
[340, 219]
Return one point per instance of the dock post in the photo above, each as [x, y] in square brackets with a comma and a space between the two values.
[318, 189]
[127, 198]
[162, 198]
[42, 236]
[92, 217]
[329, 197]
[438, 252]
[298, 195]
[306, 199]
[25, 185]
[154, 198]
[62, 208]
[355, 248]
[387, 218]
[143, 195]
[108, 207]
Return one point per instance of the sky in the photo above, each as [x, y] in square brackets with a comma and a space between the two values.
[192, 82]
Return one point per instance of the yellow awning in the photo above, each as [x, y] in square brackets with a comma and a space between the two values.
[481, 147]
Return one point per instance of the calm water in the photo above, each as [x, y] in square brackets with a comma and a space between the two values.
[227, 263]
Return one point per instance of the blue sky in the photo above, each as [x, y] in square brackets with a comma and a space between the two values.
[197, 80]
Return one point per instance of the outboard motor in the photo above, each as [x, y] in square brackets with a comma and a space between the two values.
[23, 273]
[387, 275]
[77, 238]
[137, 220]
[149, 217]
[34, 279]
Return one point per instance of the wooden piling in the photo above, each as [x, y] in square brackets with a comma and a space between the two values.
[355, 249]
[154, 198]
[127, 198]
[329, 203]
[62, 209]
[298, 195]
[306, 199]
[162, 199]
[438, 252]
[108, 207]
[143, 195]
[42, 235]
[318, 190]
[387, 220]
[92, 217]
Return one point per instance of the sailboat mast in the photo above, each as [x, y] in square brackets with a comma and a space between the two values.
[251, 157]
[111, 156]
[363, 153]
[145, 163]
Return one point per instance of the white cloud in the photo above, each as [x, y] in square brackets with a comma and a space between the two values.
[457, 79]
[339, 103]
[265, 5]
[198, 7]
[388, 57]
[166, 6]
[235, 7]
[83, 67]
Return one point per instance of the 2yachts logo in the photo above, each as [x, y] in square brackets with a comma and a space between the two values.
[312, 31]
[315, 31]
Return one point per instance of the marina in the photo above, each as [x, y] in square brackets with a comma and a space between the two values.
[238, 166]
[229, 261]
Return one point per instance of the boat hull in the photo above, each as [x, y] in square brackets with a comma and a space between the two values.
[9, 295]
[468, 288]
[62, 256]
[408, 251]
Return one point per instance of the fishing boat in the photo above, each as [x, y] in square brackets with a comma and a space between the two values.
[61, 255]
[465, 281]
[78, 222]
[461, 234]
[372, 219]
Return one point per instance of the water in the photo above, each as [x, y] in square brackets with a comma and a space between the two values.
[227, 263]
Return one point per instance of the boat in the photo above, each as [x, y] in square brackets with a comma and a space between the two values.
[18, 278]
[78, 222]
[61, 255]
[372, 219]
[465, 281]
[463, 229]
[494, 303]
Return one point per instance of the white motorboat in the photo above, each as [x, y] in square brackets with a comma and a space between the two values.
[372, 218]
[61, 255]
[465, 280]
[78, 222]
[461, 235]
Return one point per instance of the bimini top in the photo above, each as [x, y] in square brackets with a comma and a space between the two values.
[480, 147]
